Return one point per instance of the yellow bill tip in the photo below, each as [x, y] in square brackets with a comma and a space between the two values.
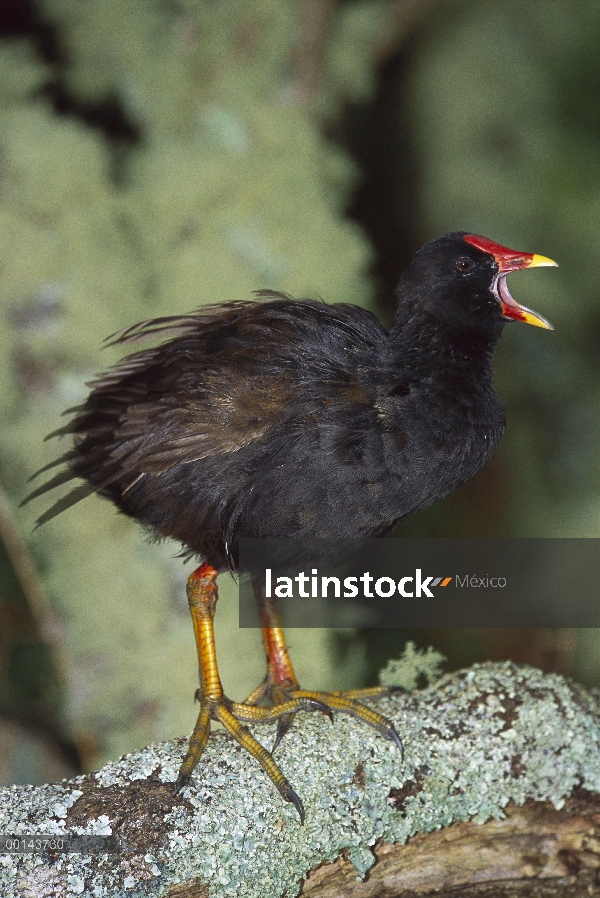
[541, 261]
[536, 320]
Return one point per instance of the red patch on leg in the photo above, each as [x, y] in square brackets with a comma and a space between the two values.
[205, 572]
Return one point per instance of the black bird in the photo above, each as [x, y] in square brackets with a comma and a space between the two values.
[292, 418]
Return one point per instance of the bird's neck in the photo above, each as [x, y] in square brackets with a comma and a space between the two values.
[423, 347]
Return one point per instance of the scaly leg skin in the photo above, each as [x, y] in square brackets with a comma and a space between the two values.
[202, 595]
[281, 686]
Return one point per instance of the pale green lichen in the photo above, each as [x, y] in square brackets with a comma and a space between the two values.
[413, 665]
[474, 742]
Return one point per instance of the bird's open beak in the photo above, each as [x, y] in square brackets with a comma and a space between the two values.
[508, 260]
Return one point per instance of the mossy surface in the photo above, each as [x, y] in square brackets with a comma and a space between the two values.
[474, 742]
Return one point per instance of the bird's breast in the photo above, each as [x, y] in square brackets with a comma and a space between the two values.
[433, 446]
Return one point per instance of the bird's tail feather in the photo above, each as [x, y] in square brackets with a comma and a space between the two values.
[57, 480]
[76, 495]
[63, 459]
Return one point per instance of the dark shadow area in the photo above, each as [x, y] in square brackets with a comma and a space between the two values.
[386, 203]
[22, 19]
[29, 686]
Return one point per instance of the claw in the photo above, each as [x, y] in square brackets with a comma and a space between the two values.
[394, 737]
[285, 721]
[291, 796]
[321, 706]
[182, 780]
[283, 725]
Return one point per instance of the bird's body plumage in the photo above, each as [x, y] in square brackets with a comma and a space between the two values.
[284, 418]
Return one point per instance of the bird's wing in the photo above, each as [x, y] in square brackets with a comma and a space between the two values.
[228, 375]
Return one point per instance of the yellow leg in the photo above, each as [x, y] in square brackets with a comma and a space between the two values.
[214, 705]
[281, 686]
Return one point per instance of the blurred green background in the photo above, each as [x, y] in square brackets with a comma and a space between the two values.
[156, 155]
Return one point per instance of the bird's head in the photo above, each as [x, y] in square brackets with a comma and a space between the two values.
[461, 277]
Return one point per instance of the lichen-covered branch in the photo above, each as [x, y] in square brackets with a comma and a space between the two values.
[534, 851]
[498, 785]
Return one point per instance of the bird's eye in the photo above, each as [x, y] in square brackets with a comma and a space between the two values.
[464, 264]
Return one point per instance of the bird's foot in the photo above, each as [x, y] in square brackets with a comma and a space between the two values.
[281, 685]
[233, 716]
[346, 702]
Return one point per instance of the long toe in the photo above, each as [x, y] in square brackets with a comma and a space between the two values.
[340, 702]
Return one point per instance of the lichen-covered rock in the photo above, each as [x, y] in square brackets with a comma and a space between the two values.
[475, 741]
